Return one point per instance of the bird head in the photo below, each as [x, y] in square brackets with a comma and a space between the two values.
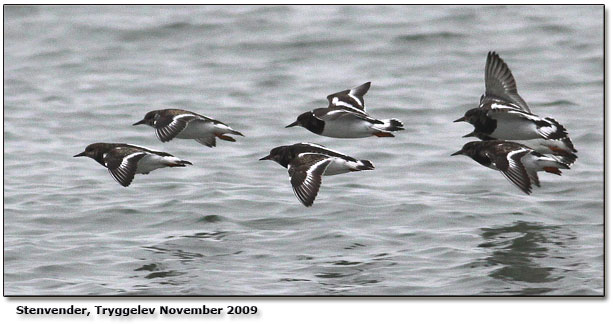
[149, 119]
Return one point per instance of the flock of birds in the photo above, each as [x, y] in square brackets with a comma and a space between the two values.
[513, 140]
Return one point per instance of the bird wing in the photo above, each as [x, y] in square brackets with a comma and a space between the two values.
[167, 127]
[500, 83]
[512, 168]
[136, 148]
[549, 128]
[508, 114]
[305, 173]
[337, 113]
[320, 149]
[123, 167]
[351, 98]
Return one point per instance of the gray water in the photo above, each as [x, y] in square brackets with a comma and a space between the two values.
[421, 223]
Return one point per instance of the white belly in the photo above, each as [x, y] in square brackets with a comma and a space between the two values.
[151, 162]
[544, 146]
[515, 130]
[338, 166]
[197, 129]
[532, 162]
[348, 129]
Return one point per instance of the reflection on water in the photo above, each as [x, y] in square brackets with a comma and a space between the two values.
[341, 276]
[520, 253]
[182, 256]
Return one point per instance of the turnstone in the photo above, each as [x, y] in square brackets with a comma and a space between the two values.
[125, 160]
[503, 115]
[307, 162]
[345, 117]
[179, 123]
[517, 162]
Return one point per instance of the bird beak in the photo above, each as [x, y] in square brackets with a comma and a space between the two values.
[268, 157]
[139, 122]
[460, 120]
[80, 154]
[293, 124]
[457, 153]
[470, 134]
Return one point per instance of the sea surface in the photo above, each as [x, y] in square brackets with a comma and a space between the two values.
[421, 223]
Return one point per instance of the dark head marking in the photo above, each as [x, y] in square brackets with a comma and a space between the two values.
[149, 119]
[282, 155]
[95, 151]
[310, 122]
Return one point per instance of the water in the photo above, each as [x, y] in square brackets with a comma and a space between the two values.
[421, 223]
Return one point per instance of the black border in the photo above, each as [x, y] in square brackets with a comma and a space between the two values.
[298, 297]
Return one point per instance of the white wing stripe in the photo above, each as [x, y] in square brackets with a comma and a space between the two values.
[500, 105]
[513, 153]
[323, 148]
[524, 114]
[182, 116]
[127, 157]
[334, 112]
[314, 166]
[337, 102]
[547, 131]
[355, 98]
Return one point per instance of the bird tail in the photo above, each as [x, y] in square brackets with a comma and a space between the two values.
[559, 130]
[176, 162]
[365, 165]
[235, 132]
[566, 158]
[227, 130]
[560, 149]
[566, 140]
[221, 129]
[563, 147]
[391, 125]
[553, 166]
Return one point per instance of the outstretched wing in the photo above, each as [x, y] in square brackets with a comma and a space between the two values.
[123, 167]
[500, 83]
[320, 149]
[352, 98]
[512, 168]
[167, 126]
[305, 173]
[344, 114]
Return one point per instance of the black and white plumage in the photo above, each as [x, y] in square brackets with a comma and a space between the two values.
[503, 115]
[500, 86]
[125, 160]
[179, 123]
[345, 117]
[517, 162]
[307, 163]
